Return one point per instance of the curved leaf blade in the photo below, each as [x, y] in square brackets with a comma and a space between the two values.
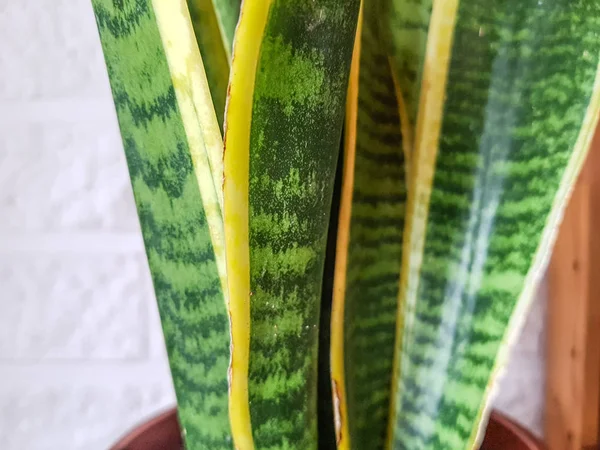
[214, 26]
[246, 51]
[369, 248]
[215, 53]
[279, 178]
[405, 25]
[491, 182]
[196, 108]
[170, 135]
[228, 13]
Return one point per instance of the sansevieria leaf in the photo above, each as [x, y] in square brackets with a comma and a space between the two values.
[466, 123]
[174, 153]
[285, 111]
[380, 125]
[369, 245]
[509, 98]
[214, 24]
[404, 26]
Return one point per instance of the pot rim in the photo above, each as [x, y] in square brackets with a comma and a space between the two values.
[137, 432]
[497, 419]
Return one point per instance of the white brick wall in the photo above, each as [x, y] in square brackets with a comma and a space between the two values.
[81, 353]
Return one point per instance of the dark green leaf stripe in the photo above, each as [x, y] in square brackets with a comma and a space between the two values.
[520, 82]
[405, 24]
[374, 250]
[298, 109]
[173, 221]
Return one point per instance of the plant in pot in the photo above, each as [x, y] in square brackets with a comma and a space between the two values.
[378, 316]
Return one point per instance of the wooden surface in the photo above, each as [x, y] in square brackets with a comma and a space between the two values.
[573, 352]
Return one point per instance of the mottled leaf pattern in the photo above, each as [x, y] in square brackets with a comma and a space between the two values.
[521, 101]
[296, 124]
[369, 243]
[466, 124]
[174, 222]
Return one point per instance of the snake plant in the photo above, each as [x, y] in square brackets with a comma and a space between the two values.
[465, 123]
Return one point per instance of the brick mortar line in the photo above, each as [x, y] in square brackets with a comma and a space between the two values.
[85, 374]
[76, 242]
[97, 110]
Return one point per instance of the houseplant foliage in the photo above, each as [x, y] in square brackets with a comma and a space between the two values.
[493, 149]
[465, 125]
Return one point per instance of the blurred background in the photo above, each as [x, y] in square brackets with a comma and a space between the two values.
[81, 352]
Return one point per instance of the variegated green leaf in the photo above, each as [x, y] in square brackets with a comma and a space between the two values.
[283, 125]
[227, 13]
[174, 152]
[214, 26]
[369, 246]
[404, 28]
[510, 97]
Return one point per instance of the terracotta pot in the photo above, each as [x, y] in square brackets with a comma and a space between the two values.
[162, 433]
